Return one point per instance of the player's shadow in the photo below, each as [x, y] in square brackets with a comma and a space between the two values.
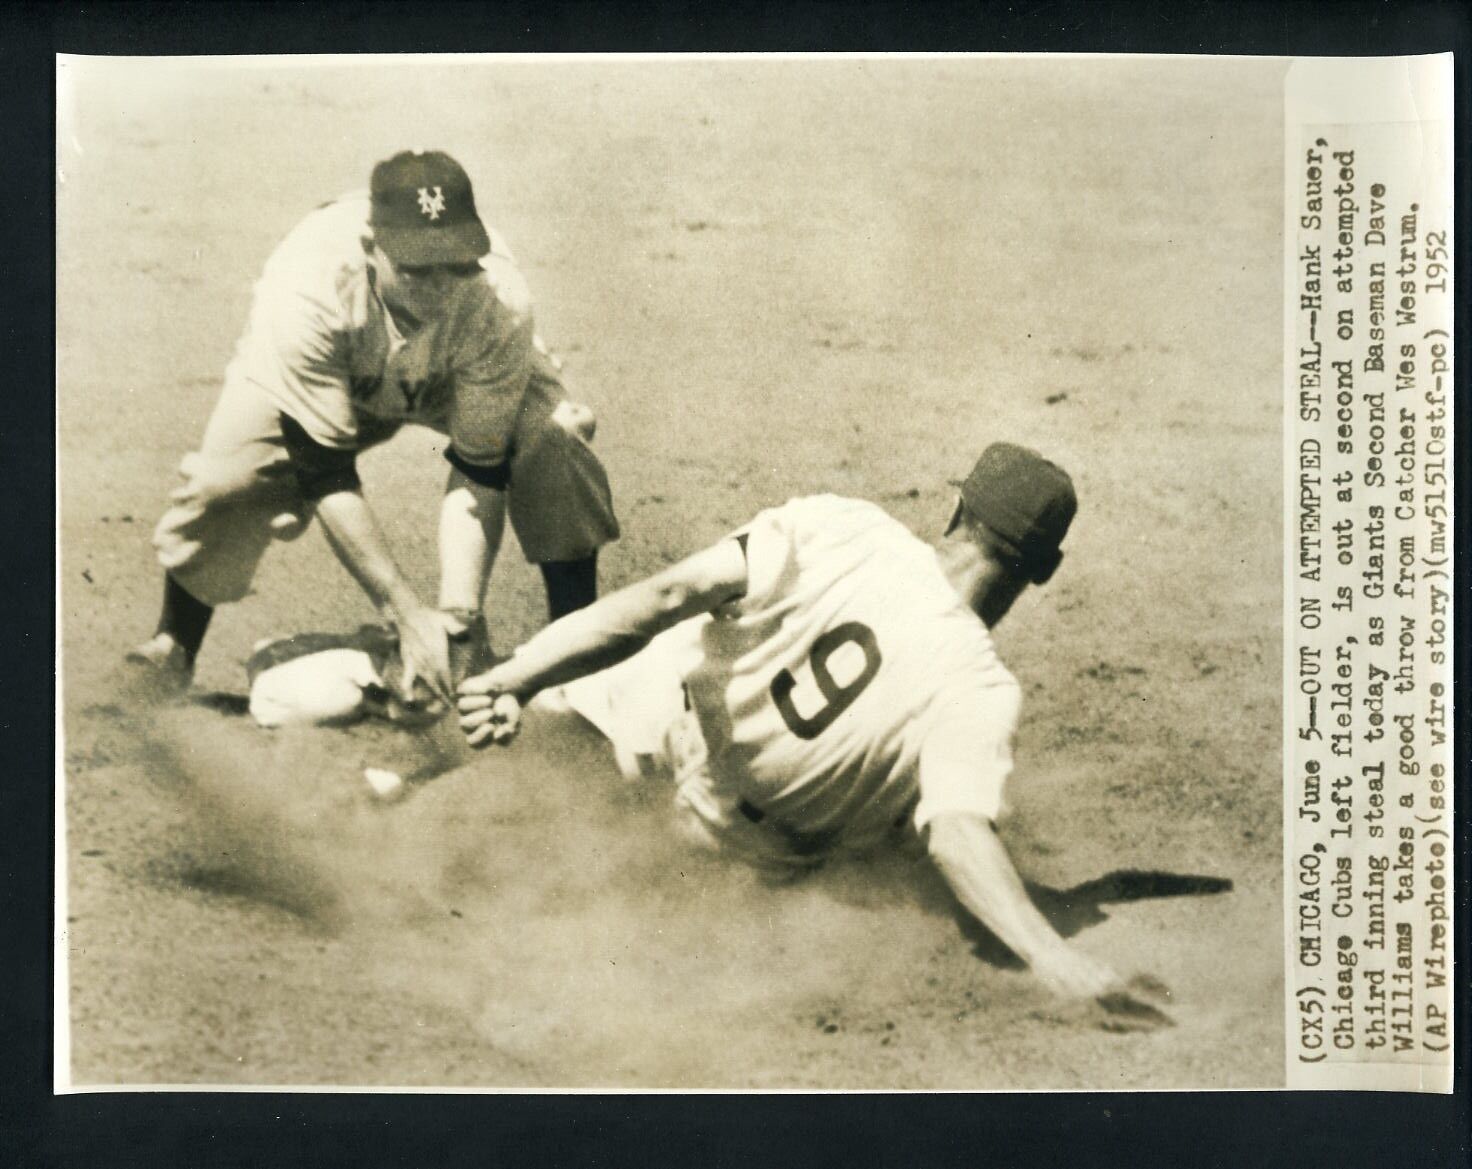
[1070, 911]
[222, 702]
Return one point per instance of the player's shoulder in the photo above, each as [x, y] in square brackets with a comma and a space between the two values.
[838, 513]
[323, 254]
[837, 520]
[336, 226]
[824, 536]
[501, 298]
[970, 686]
[503, 280]
[816, 525]
[502, 284]
[492, 314]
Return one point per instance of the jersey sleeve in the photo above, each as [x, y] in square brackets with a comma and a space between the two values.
[292, 352]
[966, 753]
[769, 543]
[490, 379]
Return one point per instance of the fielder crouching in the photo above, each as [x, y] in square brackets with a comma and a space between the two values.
[387, 307]
[820, 677]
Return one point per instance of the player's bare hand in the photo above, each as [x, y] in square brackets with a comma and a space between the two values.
[1136, 1006]
[424, 644]
[1071, 974]
[489, 719]
[490, 711]
[1107, 1000]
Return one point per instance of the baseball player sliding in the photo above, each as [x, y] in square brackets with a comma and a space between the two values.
[819, 680]
[385, 307]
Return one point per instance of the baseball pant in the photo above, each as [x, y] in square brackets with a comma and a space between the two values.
[639, 707]
[241, 492]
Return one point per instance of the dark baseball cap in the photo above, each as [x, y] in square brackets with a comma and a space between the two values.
[423, 210]
[1026, 502]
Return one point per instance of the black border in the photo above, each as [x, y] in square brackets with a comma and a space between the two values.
[288, 1130]
[1322, 28]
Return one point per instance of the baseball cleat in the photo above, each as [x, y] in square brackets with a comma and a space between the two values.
[164, 662]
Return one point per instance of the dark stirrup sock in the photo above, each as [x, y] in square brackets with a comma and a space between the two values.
[571, 585]
[184, 618]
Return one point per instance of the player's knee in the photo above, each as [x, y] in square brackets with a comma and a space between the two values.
[174, 549]
[211, 479]
[213, 555]
[576, 419]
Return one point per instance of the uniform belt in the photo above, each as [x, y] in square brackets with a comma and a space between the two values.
[756, 815]
[800, 844]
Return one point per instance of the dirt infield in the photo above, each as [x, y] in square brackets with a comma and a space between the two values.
[769, 278]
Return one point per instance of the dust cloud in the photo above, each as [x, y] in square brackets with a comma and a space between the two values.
[538, 896]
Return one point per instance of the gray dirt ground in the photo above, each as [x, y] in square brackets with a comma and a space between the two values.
[769, 278]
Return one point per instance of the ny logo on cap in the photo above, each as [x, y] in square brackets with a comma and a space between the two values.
[431, 204]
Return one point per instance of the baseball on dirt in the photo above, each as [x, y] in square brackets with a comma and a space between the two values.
[386, 786]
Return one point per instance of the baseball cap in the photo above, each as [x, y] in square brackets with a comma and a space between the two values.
[1025, 501]
[423, 210]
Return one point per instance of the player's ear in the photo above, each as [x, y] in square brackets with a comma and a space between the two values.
[957, 513]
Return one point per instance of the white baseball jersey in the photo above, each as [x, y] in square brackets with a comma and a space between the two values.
[849, 689]
[326, 351]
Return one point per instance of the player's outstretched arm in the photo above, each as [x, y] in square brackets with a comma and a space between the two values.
[327, 476]
[968, 852]
[611, 629]
[423, 632]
